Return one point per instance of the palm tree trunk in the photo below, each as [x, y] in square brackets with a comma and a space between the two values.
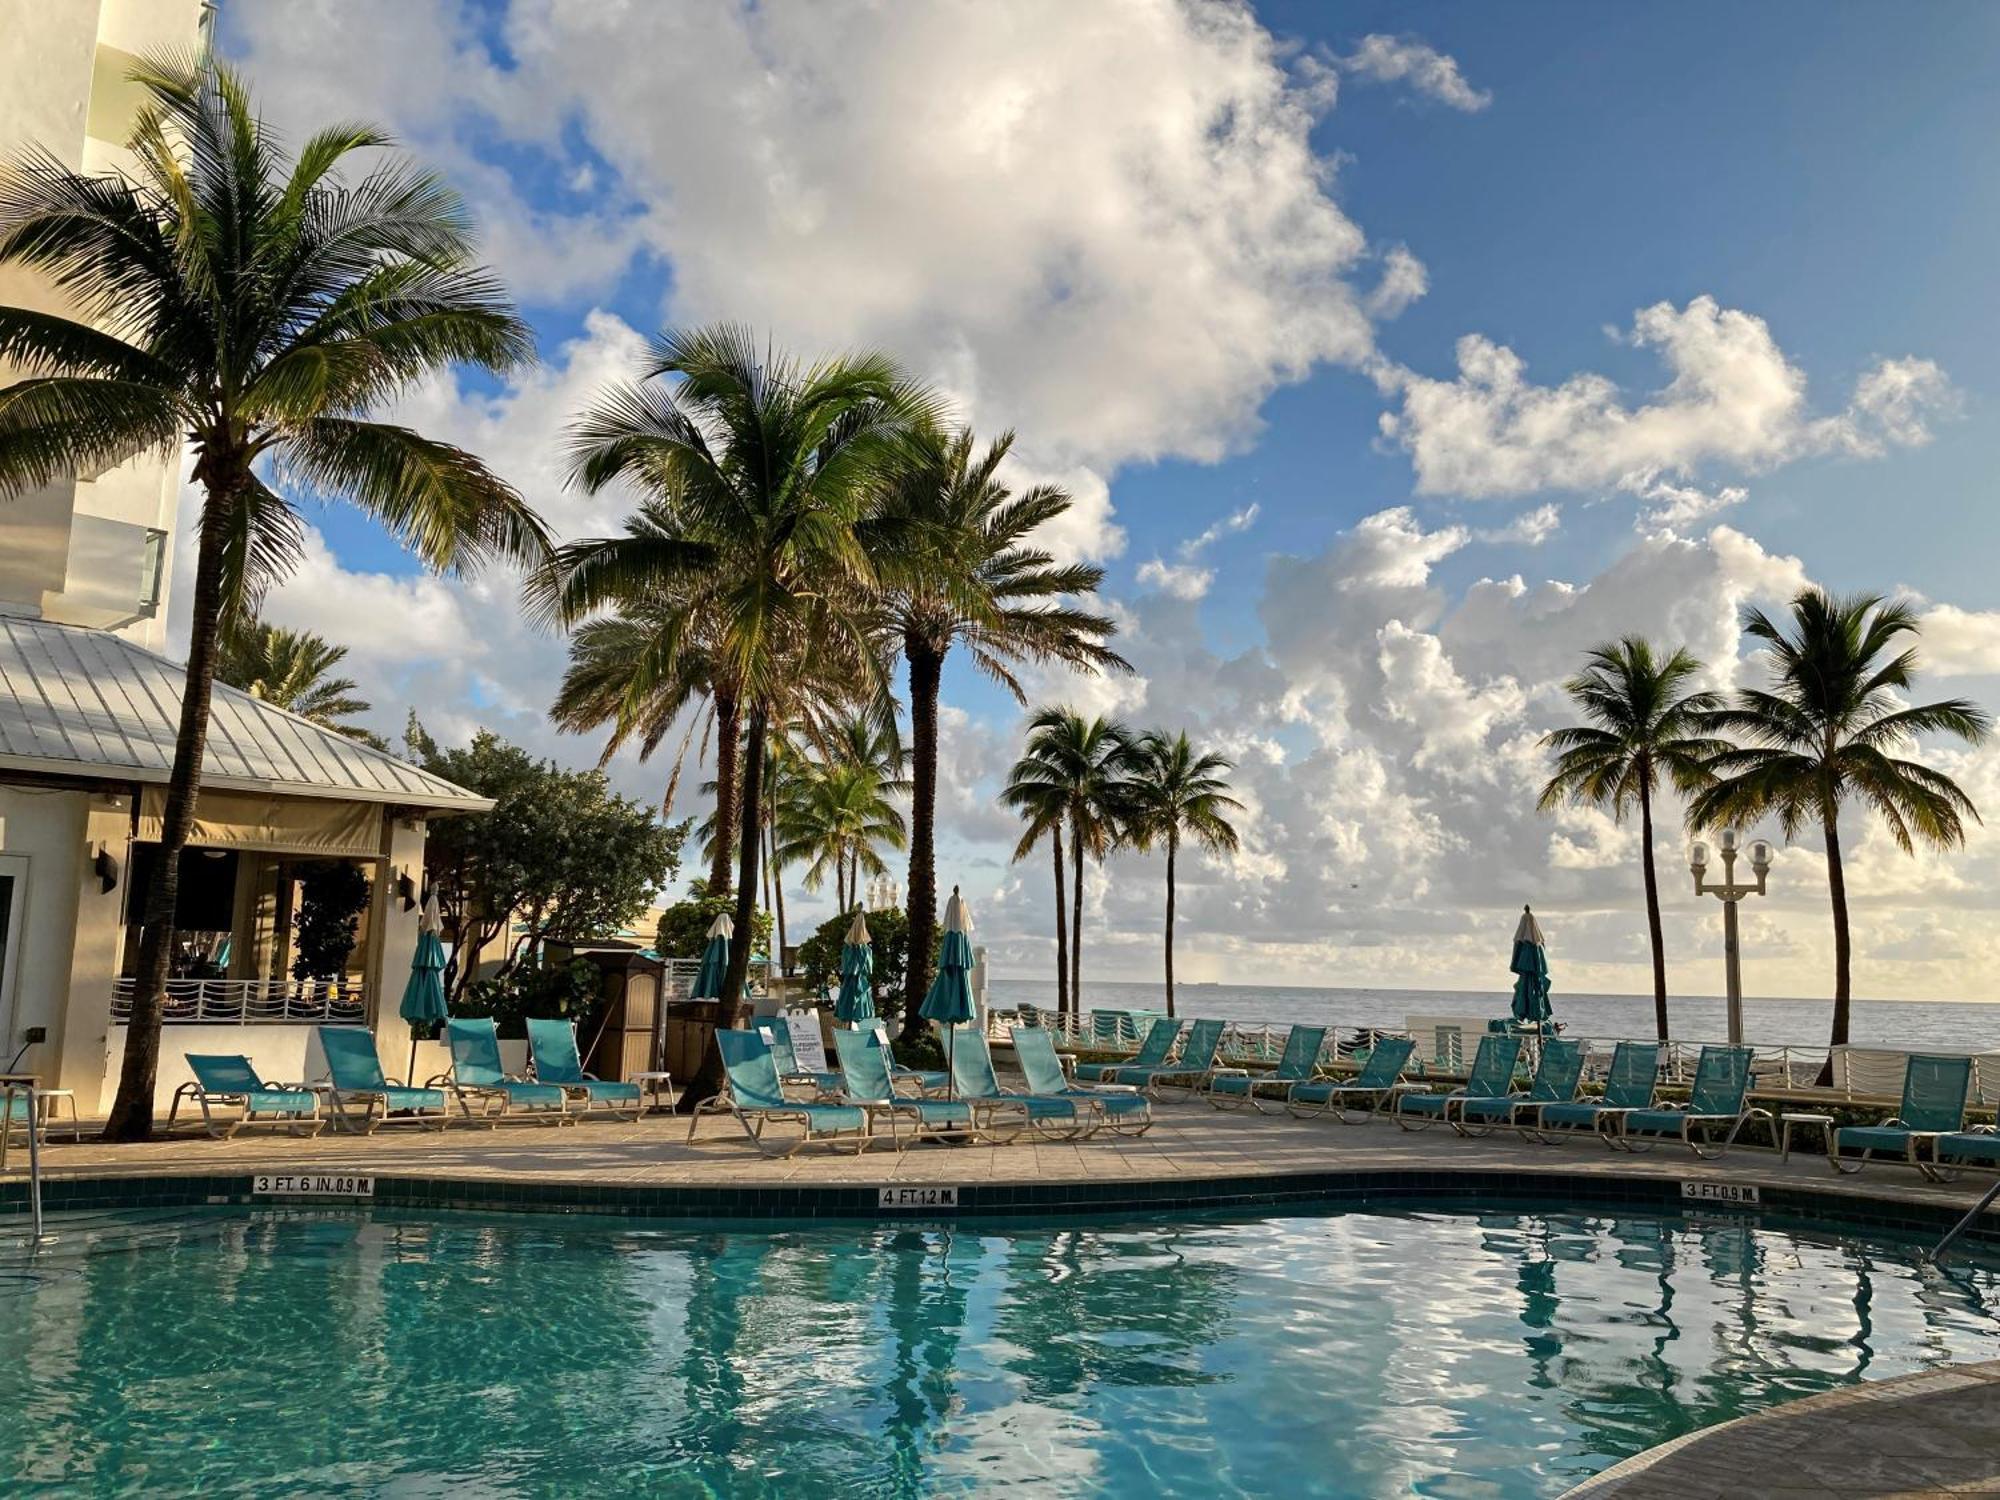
[1843, 951]
[778, 904]
[708, 1082]
[1062, 926]
[1653, 911]
[926, 674]
[1076, 918]
[727, 728]
[1172, 848]
[132, 1110]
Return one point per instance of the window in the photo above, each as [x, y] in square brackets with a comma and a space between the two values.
[151, 566]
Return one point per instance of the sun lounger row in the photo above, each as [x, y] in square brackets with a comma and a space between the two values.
[364, 1098]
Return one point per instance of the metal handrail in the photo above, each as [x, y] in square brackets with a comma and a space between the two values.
[247, 1002]
[8, 1092]
[1937, 1255]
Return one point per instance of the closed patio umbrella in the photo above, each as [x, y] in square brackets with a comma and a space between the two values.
[949, 1000]
[423, 997]
[714, 960]
[1531, 970]
[856, 1001]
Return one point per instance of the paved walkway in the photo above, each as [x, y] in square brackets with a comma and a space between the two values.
[1935, 1433]
[1190, 1141]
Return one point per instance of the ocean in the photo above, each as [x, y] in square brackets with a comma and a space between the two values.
[1911, 1024]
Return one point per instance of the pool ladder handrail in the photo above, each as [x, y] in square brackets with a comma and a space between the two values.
[8, 1092]
[1964, 1224]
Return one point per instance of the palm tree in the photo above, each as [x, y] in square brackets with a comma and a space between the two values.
[638, 670]
[1828, 728]
[1645, 730]
[958, 564]
[838, 817]
[258, 308]
[760, 467]
[1171, 791]
[1043, 804]
[1078, 765]
[291, 669]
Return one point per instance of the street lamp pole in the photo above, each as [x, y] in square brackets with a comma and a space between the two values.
[1729, 892]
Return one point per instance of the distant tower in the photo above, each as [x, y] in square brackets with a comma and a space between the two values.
[95, 549]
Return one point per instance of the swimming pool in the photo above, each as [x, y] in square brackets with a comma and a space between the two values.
[1359, 1353]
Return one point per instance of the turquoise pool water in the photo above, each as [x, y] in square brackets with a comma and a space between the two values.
[1362, 1353]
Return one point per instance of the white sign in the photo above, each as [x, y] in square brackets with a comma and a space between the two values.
[808, 1046]
[917, 1197]
[1720, 1192]
[311, 1185]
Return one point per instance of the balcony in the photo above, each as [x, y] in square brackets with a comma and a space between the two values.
[251, 1002]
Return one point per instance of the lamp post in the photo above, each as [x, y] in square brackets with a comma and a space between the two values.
[1729, 893]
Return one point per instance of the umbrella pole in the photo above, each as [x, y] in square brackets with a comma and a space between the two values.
[950, 1057]
[410, 1073]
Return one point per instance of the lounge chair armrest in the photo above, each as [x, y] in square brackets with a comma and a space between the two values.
[1230, 1072]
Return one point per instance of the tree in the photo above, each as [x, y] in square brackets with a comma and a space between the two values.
[1074, 767]
[1828, 728]
[560, 858]
[888, 939]
[683, 929]
[292, 670]
[837, 819]
[1169, 792]
[257, 307]
[954, 547]
[1645, 730]
[761, 467]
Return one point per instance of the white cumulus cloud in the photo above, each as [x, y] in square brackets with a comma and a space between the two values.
[1393, 59]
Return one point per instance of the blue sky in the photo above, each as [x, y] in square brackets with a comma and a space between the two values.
[1155, 237]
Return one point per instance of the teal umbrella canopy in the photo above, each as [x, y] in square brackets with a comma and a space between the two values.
[423, 997]
[1531, 972]
[714, 960]
[856, 1001]
[949, 999]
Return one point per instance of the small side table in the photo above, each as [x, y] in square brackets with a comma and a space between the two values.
[49, 1099]
[1823, 1123]
[651, 1086]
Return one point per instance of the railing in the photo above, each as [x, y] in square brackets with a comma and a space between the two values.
[250, 1002]
[29, 1096]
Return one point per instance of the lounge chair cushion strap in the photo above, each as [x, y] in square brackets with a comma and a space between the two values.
[1966, 1145]
[1873, 1137]
[413, 1098]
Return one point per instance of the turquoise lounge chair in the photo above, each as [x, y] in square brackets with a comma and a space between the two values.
[1232, 1088]
[1379, 1081]
[476, 1073]
[224, 1082]
[1152, 1053]
[1933, 1106]
[1978, 1147]
[354, 1072]
[1000, 1116]
[552, 1053]
[1634, 1075]
[1124, 1110]
[755, 1098]
[1486, 1086]
[1557, 1074]
[1715, 1103]
[864, 1065]
[927, 1082]
[778, 1037]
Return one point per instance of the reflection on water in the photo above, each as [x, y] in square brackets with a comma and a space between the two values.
[1357, 1354]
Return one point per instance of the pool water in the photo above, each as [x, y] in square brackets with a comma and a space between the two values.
[1361, 1353]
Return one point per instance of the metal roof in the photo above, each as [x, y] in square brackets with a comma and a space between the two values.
[86, 703]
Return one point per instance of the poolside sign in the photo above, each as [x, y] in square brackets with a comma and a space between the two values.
[1721, 1192]
[311, 1185]
[916, 1198]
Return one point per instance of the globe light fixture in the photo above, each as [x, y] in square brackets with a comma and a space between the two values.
[1729, 892]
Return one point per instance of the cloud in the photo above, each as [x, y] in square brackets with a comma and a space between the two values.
[1676, 507]
[1959, 642]
[1529, 529]
[1389, 59]
[1732, 398]
[1235, 522]
[1181, 580]
[1404, 280]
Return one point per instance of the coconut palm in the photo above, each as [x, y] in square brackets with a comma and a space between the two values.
[291, 669]
[1072, 775]
[760, 467]
[836, 820]
[959, 566]
[1646, 730]
[638, 670]
[1829, 728]
[1172, 792]
[258, 307]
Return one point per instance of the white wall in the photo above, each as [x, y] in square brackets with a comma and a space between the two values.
[47, 827]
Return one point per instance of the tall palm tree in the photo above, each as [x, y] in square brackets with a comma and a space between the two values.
[1043, 804]
[1828, 728]
[1171, 792]
[837, 820]
[257, 307]
[1081, 765]
[638, 670]
[959, 566]
[292, 670]
[761, 467]
[1646, 730]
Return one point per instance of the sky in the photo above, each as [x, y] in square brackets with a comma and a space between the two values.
[1394, 355]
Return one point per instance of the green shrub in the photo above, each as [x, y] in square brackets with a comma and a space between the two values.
[683, 929]
[570, 991]
[888, 935]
